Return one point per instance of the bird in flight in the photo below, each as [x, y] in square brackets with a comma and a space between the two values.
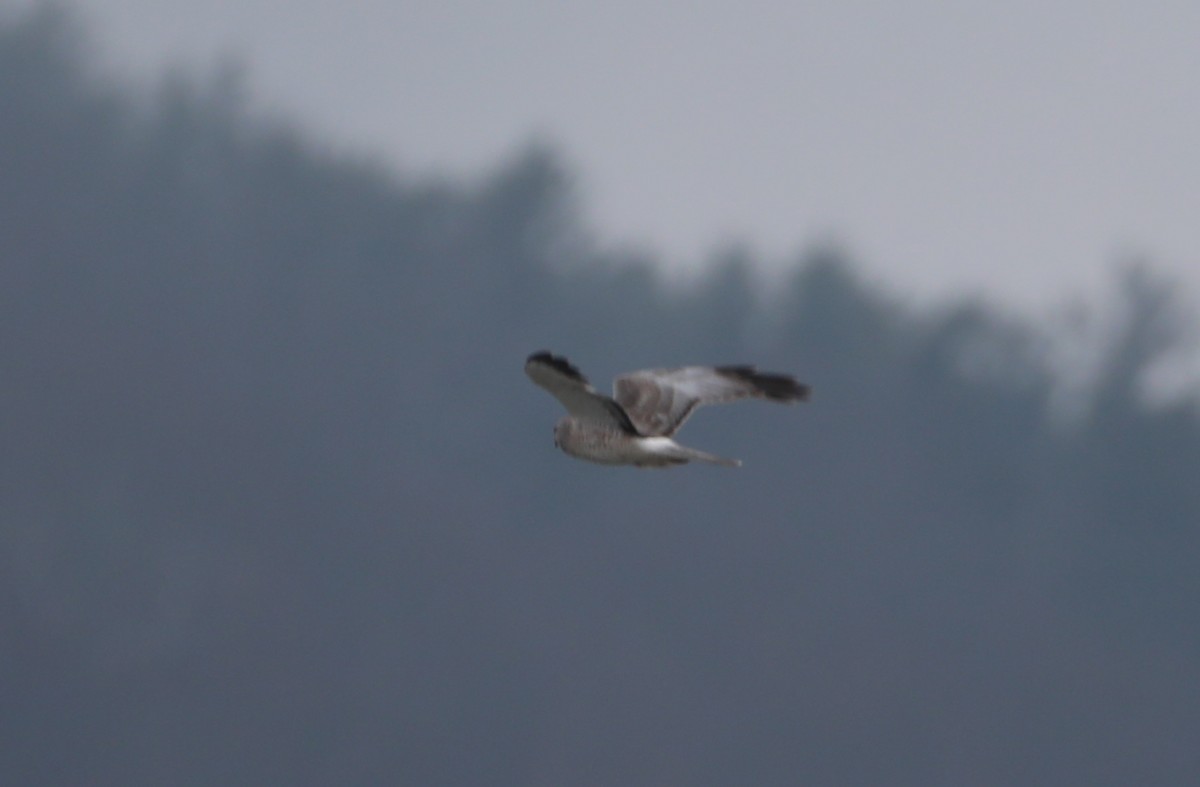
[636, 424]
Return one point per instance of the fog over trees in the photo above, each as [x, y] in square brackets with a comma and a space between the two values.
[278, 505]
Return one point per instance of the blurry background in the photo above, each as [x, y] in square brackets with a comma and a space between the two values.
[1017, 148]
[277, 504]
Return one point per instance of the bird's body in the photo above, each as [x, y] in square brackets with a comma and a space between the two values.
[635, 426]
[607, 446]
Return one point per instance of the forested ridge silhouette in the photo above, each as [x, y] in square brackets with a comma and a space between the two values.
[277, 504]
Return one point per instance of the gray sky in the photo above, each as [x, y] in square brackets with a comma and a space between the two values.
[1018, 148]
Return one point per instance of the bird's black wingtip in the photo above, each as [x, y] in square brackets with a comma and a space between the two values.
[556, 362]
[776, 387]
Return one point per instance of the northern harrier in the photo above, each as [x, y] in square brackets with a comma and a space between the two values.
[635, 425]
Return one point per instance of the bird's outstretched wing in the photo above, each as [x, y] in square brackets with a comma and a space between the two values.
[658, 401]
[566, 384]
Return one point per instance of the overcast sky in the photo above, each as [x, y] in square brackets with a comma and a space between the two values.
[1019, 148]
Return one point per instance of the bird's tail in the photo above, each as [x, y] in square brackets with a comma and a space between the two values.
[682, 453]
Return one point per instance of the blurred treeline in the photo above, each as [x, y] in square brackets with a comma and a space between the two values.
[277, 505]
